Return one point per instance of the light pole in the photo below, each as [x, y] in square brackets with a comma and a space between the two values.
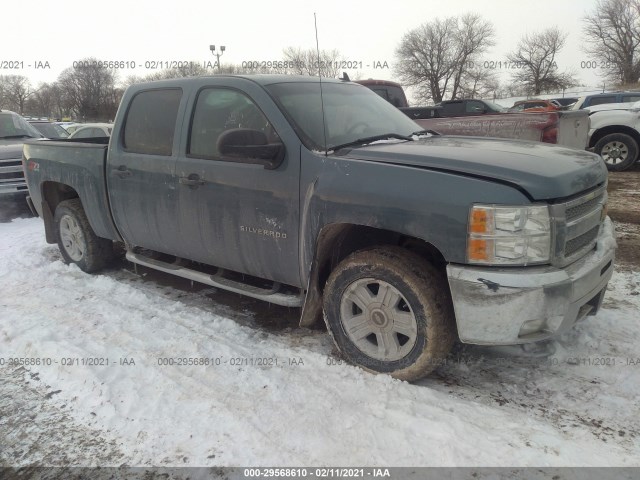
[218, 55]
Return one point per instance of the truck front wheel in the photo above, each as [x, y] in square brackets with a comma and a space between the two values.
[389, 311]
[76, 239]
[618, 150]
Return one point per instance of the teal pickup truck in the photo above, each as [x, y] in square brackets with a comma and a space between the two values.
[325, 197]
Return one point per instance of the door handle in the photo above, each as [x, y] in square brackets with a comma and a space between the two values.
[192, 180]
[121, 171]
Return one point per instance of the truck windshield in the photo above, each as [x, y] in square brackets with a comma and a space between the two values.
[14, 126]
[351, 112]
[495, 107]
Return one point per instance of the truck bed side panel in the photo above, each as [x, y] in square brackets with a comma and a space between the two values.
[572, 126]
[523, 126]
[76, 165]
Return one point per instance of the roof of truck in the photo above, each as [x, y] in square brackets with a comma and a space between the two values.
[262, 79]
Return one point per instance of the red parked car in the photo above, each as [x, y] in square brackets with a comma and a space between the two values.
[535, 106]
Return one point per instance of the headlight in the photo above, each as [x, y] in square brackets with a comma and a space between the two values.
[501, 235]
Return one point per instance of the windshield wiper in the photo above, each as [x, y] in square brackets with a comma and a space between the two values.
[423, 132]
[365, 140]
[18, 136]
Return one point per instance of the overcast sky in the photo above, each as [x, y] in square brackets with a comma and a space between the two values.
[140, 31]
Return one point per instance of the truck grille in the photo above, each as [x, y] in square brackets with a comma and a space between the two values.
[577, 224]
[581, 241]
[12, 176]
[583, 208]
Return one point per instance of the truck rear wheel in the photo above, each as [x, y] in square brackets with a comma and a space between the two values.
[618, 150]
[389, 311]
[76, 239]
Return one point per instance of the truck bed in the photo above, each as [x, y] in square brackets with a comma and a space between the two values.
[572, 126]
[79, 165]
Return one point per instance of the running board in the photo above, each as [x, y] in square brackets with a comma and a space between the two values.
[271, 295]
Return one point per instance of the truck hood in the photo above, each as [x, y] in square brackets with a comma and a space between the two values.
[544, 171]
[10, 149]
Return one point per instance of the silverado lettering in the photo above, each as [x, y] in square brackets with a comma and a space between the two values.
[260, 231]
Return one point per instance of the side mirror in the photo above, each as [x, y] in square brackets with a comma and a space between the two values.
[250, 146]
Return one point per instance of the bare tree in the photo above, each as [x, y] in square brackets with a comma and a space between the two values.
[298, 61]
[534, 61]
[186, 69]
[43, 101]
[612, 32]
[435, 57]
[16, 89]
[479, 83]
[89, 90]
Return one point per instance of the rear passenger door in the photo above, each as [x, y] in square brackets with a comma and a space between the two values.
[233, 213]
[140, 171]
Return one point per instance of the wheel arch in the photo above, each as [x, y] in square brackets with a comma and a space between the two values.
[336, 241]
[608, 130]
[52, 193]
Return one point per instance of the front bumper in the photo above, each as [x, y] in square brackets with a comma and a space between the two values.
[506, 306]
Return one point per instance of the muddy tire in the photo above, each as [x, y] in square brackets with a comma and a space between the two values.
[76, 239]
[389, 311]
[619, 151]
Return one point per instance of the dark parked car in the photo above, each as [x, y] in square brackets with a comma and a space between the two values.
[566, 102]
[601, 98]
[466, 107]
[14, 130]
[49, 129]
[392, 92]
[454, 108]
[535, 105]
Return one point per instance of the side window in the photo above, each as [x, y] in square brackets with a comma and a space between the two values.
[474, 107]
[601, 100]
[84, 133]
[218, 110]
[452, 109]
[382, 92]
[151, 122]
[630, 98]
[396, 97]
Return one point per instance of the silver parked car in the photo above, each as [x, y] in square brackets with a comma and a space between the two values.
[93, 130]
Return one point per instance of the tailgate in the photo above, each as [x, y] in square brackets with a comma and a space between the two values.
[573, 128]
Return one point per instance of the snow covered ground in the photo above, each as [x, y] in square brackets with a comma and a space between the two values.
[276, 395]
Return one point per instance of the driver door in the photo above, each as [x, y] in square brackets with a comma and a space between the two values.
[234, 213]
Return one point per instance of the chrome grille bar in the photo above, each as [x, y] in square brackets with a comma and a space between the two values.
[576, 226]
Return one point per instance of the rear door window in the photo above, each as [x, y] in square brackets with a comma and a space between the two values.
[151, 122]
